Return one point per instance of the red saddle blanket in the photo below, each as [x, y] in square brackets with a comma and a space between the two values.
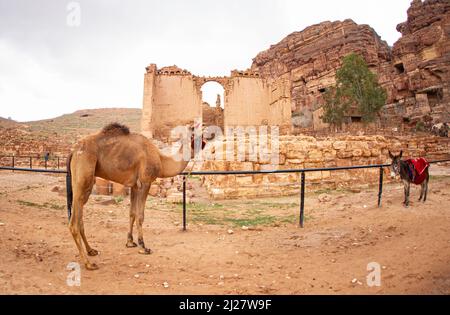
[418, 167]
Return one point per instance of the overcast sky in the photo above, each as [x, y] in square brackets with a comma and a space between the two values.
[50, 66]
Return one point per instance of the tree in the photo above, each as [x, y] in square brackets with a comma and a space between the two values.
[334, 107]
[356, 86]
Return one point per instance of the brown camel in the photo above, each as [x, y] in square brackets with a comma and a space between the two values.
[126, 158]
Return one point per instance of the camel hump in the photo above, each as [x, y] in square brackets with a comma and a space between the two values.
[114, 129]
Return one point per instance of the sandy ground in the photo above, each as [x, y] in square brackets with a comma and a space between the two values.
[329, 256]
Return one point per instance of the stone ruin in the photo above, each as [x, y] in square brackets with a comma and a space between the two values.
[173, 97]
[285, 83]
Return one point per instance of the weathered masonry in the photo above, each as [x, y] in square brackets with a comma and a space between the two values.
[173, 97]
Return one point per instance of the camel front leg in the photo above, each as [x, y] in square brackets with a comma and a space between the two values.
[142, 194]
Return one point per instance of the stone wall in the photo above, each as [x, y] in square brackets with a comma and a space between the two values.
[19, 142]
[298, 152]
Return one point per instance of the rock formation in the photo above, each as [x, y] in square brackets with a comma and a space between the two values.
[421, 59]
[311, 57]
[415, 73]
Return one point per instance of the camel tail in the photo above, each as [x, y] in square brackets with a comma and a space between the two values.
[69, 187]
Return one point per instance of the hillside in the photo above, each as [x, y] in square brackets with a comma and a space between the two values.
[57, 134]
[86, 121]
[8, 123]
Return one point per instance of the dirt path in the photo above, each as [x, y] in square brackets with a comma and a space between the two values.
[342, 235]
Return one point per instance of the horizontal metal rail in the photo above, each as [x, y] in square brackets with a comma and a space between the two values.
[35, 157]
[34, 170]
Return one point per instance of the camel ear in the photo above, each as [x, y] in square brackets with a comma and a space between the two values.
[401, 153]
[390, 155]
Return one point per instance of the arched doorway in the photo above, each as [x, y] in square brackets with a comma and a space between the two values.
[212, 104]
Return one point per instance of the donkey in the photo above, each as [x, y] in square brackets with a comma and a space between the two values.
[409, 175]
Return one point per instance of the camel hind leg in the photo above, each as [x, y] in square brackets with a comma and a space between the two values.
[82, 182]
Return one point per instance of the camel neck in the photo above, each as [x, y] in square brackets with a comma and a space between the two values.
[172, 166]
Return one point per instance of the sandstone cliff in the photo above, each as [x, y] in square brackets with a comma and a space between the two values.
[415, 72]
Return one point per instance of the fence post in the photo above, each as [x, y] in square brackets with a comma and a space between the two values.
[380, 187]
[31, 163]
[58, 162]
[184, 203]
[13, 162]
[45, 164]
[302, 199]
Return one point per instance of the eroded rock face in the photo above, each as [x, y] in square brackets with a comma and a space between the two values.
[415, 72]
[421, 58]
[312, 56]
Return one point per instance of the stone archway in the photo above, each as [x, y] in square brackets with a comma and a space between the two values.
[213, 95]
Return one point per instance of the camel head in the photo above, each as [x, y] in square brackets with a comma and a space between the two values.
[198, 142]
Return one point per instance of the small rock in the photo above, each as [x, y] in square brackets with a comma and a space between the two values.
[108, 202]
[165, 285]
[55, 189]
[2, 224]
[324, 198]
[136, 276]
[354, 281]
[245, 228]
[220, 283]
[147, 265]
[359, 283]
[221, 277]
[230, 231]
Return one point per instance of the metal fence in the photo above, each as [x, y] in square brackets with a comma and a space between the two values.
[211, 173]
[51, 162]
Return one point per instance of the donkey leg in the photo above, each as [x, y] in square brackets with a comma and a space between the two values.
[406, 191]
[407, 194]
[141, 199]
[130, 242]
[426, 190]
[422, 190]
